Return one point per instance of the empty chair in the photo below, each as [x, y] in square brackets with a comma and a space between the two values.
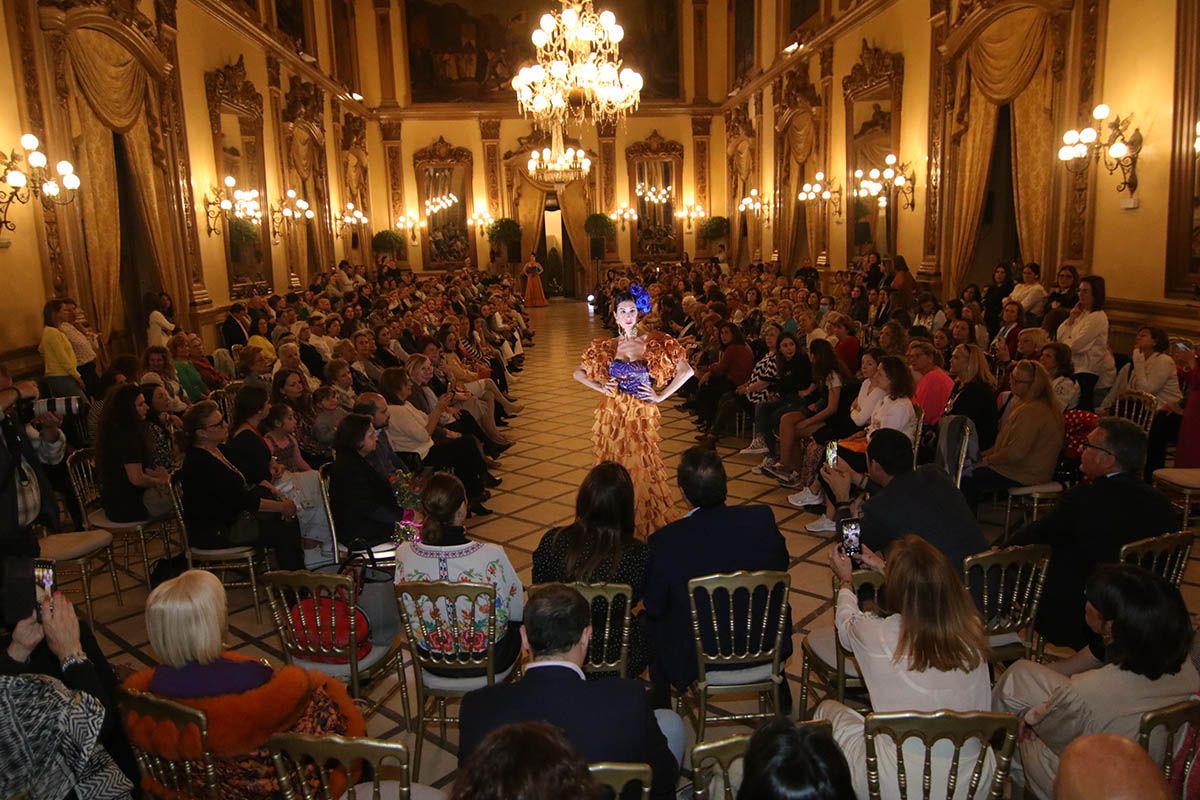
[322, 767]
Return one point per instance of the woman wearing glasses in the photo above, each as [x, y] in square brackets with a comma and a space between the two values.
[220, 509]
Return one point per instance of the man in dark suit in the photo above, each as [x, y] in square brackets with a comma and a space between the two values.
[1092, 521]
[712, 538]
[236, 327]
[605, 720]
[922, 501]
[26, 493]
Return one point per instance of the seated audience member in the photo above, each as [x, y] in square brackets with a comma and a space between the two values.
[731, 370]
[933, 384]
[826, 417]
[1153, 371]
[157, 368]
[363, 503]
[1011, 325]
[261, 338]
[245, 699]
[1030, 438]
[922, 500]
[446, 552]
[455, 418]
[27, 451]
[599, 547]
[930, 654]
[190, 380]
[1145, 636]
[696, 545]
[289, 358]
[220, 509]
[1030, 342]
[235, 329]
[341, 380]
[125, 453]
[327, 413]
[605, 720]
[212, 377]
[1090, 523]
[162, 425]
[1056, 358]
[382, 459]
[254, 367]
[785, 761]
[279, 431]
[529, 761]
[1030, 293]
[1109, 766]
[974, 394]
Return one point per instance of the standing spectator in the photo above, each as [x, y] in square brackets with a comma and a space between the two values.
[994, 295]
[1152, 370]
[1085, 331]
[84, 342]
[235, 328]
[160, 325]
[61, 369]
[1030, 293]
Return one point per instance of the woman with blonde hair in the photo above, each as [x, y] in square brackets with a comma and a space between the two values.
[245, 699]
[929, 654]
[1030, 438]
[974, 392]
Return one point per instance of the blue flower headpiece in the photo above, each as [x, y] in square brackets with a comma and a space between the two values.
[641, 298]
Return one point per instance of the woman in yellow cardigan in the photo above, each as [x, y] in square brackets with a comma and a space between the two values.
[1030, 440]
[61, 370]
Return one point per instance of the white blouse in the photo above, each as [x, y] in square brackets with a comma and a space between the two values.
[159, 330]
[1087, 336]
[1031, 296]
[898, 414]
[869, 396]
[1157, 376]
[406, 430]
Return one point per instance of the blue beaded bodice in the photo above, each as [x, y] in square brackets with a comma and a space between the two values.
[631, 376]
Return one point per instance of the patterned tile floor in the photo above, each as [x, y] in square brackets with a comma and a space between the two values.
[541, 475]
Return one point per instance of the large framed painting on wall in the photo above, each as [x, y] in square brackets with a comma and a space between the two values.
[743, 37]
[469, 50]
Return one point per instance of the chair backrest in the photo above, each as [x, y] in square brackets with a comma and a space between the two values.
[449, 625]
[712, 758]
[312, 767]
[194, 773]
[323, 474]
[1137, 407]
[929, 728]
[616, 776]
[176, 489]
[81, 467]
[916, 442]
[306, 629]
[1174, 720]
[1007, 584]
[1165, 555]
[725, 607]
[611, 617]
[954, 438]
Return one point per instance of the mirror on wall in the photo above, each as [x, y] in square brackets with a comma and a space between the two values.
[444, 175]
[872, 92]
[655, 177]
[236, 116]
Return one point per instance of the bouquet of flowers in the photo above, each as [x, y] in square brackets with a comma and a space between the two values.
[407, 491]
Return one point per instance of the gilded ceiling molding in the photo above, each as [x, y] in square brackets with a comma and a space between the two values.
[229, 87]
[442, 152]
[875, 67]
[654, 145]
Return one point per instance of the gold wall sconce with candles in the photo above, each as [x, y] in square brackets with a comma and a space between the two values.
[292, 210]
[480, 220]
[892, 184]
[624, 215]
[230, 202]
[351, 219]
[27, 176]
[411, 225]
[689, 214]
[1118, 150]
[826, 194]
[753, 203]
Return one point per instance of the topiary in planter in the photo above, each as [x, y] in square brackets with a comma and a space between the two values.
[599, 226]
[713, 228]
[506, 231]
[388, 241]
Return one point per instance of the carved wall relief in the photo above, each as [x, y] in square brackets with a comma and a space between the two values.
[303, 138]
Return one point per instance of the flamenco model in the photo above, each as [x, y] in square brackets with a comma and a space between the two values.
[535, 296]
[626, 370]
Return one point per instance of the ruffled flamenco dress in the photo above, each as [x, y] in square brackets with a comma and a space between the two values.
[535, 296]
[626, 427]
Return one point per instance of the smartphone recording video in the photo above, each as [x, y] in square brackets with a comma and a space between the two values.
[44, 581]
[831, 454]
[850, 532]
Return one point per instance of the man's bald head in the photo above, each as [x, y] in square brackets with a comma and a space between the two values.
[1108, 766]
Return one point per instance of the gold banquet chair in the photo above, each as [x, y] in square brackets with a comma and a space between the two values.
[713, 759]
[382, 555]
[1165, 555]
[752, 665]
[76, 552]
[1007, 583]
[1174, 721]
[608, 653]
[1137, 407]
[311, 767]
[930, 728]
[194, 774]
[617, 776]
[822, 652]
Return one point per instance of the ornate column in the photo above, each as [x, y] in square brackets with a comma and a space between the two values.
[701, 130]
[608, 178]
[940, 101]
[489, 131]
[700, 49]
[393, 159]
[383, 47]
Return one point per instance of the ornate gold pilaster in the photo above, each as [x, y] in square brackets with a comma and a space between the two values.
[700, 49]
[608, 178]
[489, 131]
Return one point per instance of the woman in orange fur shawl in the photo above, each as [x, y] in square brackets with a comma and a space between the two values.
[244, 699]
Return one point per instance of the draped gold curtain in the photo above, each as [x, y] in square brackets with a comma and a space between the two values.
[111, 95]
[530, 211]
[572, 200]
[1008, 62]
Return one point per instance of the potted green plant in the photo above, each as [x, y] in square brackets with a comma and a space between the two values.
[713, 228]
[507, 231]
[599, 228]
[388, 241]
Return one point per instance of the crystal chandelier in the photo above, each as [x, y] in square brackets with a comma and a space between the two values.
[561, 169]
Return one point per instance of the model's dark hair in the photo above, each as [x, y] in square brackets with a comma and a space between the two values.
[1098, 294]
[441, 499]
[701, 476]
[1151, 629]
[555, 618]
[248, 401]
[892, 451]
[899, 376]
[350, 433]
[786, 761]
[526, 761]
[603, 526]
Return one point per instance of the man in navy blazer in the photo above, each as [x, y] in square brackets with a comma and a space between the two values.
[605, 720]
[712, 538]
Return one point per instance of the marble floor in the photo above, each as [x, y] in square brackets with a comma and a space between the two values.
[541, 475]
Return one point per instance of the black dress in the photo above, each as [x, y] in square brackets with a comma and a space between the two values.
[363, 504]
[550, 566]
[122, 501]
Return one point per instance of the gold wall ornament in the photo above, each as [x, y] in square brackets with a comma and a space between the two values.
[1115, 150]
[28, 176]
[826, 194]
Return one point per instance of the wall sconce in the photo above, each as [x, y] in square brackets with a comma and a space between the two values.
[691, 212]
[888, 184]
[623, 214]
[291, 210]
[823, 193]
[480, 220]
[229, 201]
[410, 224]
[36, 180]
[351, 218]
[754, 204]
[1118, 152]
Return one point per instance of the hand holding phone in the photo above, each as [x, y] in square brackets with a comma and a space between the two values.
[831, 454]
[850, 532]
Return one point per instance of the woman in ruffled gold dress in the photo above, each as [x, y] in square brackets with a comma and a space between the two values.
[626, 371]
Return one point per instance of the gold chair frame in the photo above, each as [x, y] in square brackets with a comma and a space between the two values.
[602, 598]
[1182, 497]
[708, 757]
[1175, 718]
[450, 627]
[616, 776]
[1166, 555]
[1011, 601]
[293, 752]
[936, 726]
[185, 776]
[1137, 407]
[82, 564]
[284, 591]
[834, 675]
[323, 479]
[694, 701]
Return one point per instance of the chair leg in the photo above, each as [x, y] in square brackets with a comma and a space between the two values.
[701, 712]
[141, 534]
[420, 732]
[85, 577]
[805, 683]
[1008, 504]
[403, 691]
[441, 702]
[112, 570]
[254, 588]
